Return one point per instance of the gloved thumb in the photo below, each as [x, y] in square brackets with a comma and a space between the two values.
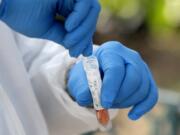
[78, 85]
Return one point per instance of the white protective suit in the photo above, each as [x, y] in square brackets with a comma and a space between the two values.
[33, 96]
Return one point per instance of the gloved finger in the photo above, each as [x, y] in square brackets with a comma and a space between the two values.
[130, 84]
[129, 55]
[78, 49]
[78, 85]
[140, 93]
[56, 33]
[88, 50]
[79, 13]
[148, 103]
[113, 77]
[88, 26]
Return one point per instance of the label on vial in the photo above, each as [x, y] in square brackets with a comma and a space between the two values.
[91, 68]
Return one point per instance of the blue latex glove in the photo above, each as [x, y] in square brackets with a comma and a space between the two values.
[36, 18]
[127, 81]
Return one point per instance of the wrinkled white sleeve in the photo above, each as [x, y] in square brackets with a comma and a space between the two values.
[20, 113]
[48, 64]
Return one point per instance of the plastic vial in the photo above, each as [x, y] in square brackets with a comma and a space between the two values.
[91, 68]
[102, 116]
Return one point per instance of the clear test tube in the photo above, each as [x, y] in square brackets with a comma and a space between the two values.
[91, 68]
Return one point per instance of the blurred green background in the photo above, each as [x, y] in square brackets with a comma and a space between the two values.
[151, 27]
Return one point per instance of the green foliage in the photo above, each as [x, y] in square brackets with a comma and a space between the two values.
[159, 15]
[122, 8]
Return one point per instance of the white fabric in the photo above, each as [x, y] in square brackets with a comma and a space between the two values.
[17, 87]
[0, 1]
[33, 82]
[10, 122]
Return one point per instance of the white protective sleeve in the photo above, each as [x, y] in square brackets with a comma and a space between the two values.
[48, 64]
[20, 113]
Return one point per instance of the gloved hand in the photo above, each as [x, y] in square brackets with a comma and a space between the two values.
[36, 18]
[127, 81]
